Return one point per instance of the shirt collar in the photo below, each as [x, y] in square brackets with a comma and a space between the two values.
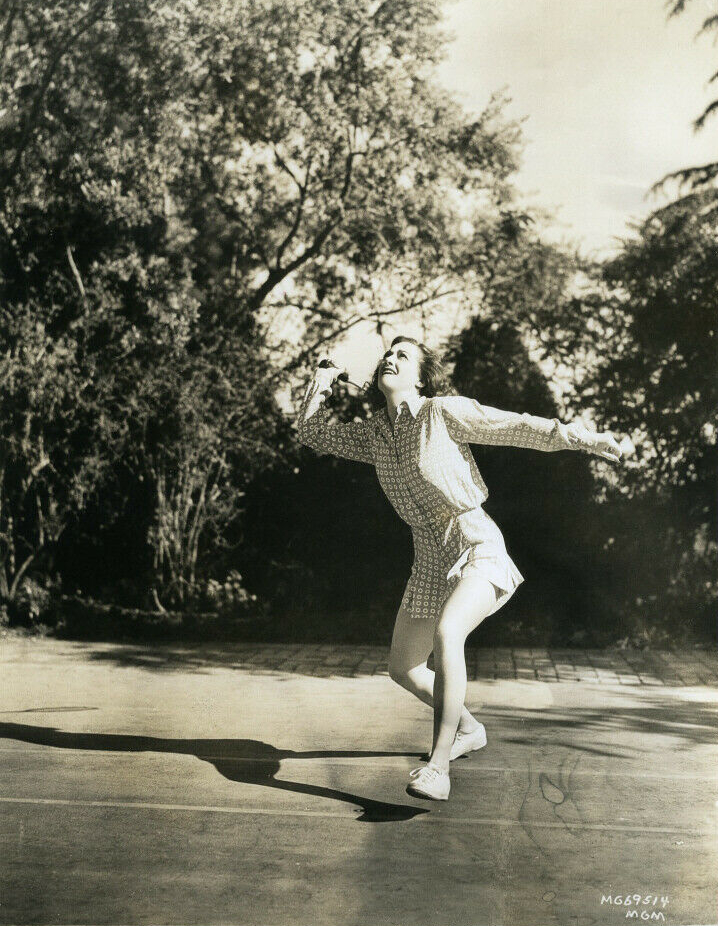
[414, 404]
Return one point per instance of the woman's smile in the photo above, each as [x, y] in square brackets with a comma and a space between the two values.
[402, 362]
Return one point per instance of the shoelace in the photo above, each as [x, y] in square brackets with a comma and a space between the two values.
[425, 769]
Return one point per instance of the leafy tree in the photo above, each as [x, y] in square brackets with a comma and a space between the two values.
[655, 315]
[49, 444]
[335, 179]
[112, 362]
[180, 181]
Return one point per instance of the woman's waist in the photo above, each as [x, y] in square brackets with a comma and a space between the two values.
[477, 535]
[459, 526]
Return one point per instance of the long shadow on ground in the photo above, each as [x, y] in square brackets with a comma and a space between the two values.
[244, 761]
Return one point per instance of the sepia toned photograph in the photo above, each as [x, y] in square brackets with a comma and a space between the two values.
[358, 470]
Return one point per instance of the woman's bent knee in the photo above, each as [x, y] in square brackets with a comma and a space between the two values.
[404, 675]
[410, 647]
[398, 669]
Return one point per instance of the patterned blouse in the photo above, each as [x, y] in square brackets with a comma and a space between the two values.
[428, 473]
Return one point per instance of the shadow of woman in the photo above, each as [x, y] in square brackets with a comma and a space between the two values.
[244, 761]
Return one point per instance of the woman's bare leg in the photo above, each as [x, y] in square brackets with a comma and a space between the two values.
[411, 645]
[471, 601]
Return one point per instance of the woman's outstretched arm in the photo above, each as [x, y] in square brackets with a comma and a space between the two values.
[353, 440]
[470, 422]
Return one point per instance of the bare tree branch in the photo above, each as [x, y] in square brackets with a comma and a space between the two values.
[295, 224]
[312, 250]
[76, 273]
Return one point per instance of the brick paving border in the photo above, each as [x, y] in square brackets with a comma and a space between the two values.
[675, 667]
[647, 668]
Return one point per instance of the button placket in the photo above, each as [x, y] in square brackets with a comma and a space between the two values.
[401, 439]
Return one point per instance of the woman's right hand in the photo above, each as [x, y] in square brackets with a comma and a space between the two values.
[328, 372]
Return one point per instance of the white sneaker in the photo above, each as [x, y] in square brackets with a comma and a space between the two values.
[464, 743]
[429, 781]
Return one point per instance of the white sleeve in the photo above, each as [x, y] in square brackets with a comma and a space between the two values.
[468, 421]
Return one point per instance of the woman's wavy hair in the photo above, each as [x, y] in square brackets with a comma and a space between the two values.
[433, 376]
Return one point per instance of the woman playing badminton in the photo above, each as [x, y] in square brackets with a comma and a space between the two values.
[462, 573]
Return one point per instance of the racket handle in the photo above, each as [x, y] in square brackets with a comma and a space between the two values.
[326, 364]
[343, 377]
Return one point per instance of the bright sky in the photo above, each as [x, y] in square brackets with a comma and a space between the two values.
[608, 88]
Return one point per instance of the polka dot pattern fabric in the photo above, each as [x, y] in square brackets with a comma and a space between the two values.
[427, 471]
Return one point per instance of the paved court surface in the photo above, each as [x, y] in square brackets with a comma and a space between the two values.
[265, 785]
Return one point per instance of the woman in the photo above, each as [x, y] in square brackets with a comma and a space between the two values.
[461, 573]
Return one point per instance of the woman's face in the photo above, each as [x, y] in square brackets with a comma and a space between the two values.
[399, 368]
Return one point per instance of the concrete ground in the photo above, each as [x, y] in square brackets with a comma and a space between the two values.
[266, 785]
